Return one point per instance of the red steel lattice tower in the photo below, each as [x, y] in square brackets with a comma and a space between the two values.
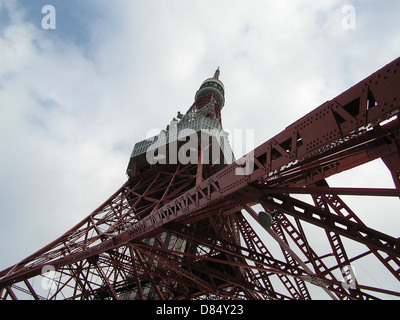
[192, 223]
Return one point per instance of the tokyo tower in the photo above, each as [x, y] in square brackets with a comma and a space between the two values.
[193, 223]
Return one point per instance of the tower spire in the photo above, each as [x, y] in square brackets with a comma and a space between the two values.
[217, 73]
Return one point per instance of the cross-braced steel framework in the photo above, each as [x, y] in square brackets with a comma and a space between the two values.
[194, 231]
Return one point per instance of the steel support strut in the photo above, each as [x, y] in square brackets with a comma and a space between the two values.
[119, 247]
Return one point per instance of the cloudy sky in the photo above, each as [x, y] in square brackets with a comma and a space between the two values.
[76, 98]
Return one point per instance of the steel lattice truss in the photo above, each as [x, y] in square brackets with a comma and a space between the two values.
[186, 232]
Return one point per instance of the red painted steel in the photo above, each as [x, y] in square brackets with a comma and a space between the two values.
[120, 251]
